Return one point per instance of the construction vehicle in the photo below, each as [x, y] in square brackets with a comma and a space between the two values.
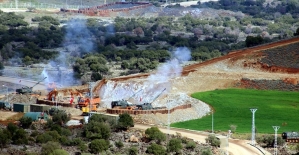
[148, 106]
[28, 90]
[124, 104]
[86, 102]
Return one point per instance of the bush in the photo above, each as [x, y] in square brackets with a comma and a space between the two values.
[156, 149]
[213, 140]
[268, 140]
[59, 152]
[119, 144]
[174, 145]
[190, 145]
[34, 134]
[82, 147]
[48, 136]
[98, 145]
[96, 130]
[60, 117]
[11, 128]
[49, 147]
[98, 118]
[20, 137]
[155, 134]
[125, 121]
[206, 151]
[132, 151]
[25, 122]
[4, 138]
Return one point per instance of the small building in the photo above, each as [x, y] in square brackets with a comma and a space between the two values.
[21, 107]
[35, 116]
[39, 108]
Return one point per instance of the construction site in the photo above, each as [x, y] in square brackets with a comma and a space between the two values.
[149, 97]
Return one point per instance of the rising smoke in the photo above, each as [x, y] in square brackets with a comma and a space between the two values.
[78, 39]
[77, 42]
[153, 86]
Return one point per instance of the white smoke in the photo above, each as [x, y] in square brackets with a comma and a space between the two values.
[152, 87]
[78, 39]
[77, 42]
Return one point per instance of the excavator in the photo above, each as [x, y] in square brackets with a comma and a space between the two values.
[84, 102]
[28, 90]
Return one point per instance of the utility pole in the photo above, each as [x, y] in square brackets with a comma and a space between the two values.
[253, 110]
[168, 121]
[212, 121]
[275, 141]
[91, 85]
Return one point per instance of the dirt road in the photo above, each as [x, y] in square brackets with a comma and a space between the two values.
[235, 147]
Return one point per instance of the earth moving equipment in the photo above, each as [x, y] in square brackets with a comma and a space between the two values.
[148, 106]
[28, 90]
[5, 105]
[124, 104]
[85, 102]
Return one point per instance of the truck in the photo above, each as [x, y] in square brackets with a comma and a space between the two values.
[28, 90]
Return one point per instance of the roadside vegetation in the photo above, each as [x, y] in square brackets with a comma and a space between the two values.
[232, 111]
[100, 135]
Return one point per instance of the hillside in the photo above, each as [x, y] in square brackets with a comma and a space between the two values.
[219, 73]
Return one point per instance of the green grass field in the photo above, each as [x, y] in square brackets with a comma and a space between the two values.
[232, 107]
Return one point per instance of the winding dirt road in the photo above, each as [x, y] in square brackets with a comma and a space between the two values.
[235, 147]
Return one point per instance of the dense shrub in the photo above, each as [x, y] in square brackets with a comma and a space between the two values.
[98, 145]
[60, 117]
[190, 145]
[96, 130]
[125, 121]
[268, 140]
[174, 145]
[49, 147]
[213, 140]
[25, 122]
[4, 138]
[132, 151]
[156, 149]
[206, 151]
[48, 136]
[119, 144]
[59, 152]
[82, 147]
[155, 134]
[20, 137]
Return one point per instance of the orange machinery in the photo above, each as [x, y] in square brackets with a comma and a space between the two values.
[84, 102]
